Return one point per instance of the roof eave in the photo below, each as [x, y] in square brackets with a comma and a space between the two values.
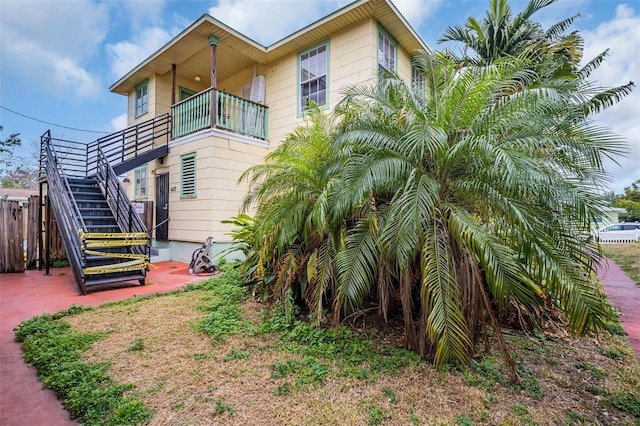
[204, 18]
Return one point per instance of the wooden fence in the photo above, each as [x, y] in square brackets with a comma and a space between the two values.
[15, 224]
[11, 237]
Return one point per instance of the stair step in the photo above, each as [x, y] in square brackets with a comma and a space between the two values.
[100, 222]
[107, 280]
[99, 211]
[91, 205]
[80, 196]
[91, 186]
[101, 261]
[109, 229]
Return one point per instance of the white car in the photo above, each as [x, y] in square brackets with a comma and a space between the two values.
[620, 233]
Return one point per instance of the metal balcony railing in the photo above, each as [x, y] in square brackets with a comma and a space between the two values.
[229, 112]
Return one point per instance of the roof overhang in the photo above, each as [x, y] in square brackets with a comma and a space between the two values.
[382, 11]
[190, 42]
[239, 52]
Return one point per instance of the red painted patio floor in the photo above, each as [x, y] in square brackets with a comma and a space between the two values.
[23, 401]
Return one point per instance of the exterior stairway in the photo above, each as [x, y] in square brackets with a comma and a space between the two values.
[105, 240]
[100, 249]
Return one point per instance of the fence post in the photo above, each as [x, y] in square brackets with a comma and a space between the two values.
[11, 237]
[34, 229]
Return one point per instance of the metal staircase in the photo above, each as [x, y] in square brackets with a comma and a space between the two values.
[105, 240]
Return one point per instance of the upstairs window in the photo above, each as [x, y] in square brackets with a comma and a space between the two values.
[188, 175]
[417, 79]
[142, 98]
[140, 182]
[312, 74]
[387, 54]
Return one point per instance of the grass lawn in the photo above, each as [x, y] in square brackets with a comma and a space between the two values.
[627, 256]
[210, 355]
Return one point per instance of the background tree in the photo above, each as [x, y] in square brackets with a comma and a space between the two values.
[17, 171]
[630, 201]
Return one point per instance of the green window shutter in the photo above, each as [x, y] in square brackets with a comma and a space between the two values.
[188, 175]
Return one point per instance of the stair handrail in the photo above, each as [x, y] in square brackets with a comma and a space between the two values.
[120, 204]
[68, 226]
[129, 143]
[63, 185]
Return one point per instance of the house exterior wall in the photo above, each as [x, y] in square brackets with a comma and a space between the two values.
[131, 108]
[352, 60]
[220, 160]
[221, 157]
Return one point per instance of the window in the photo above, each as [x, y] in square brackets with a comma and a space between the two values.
[313, 70]
[188, 175]
[184, 93]
[387, 54]
[142, 98]
[417, 79]
[140, 183]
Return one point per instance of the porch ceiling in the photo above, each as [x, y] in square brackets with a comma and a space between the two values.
[191, 53]
[190, 50]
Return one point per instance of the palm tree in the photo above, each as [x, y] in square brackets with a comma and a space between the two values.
[468, 199]
[499, 34]
[552, 54]
[292, 242]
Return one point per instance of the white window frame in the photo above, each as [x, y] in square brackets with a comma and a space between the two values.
[140, 183]
[141, 98]
[311, 60]
[387, 53]
[417, 79]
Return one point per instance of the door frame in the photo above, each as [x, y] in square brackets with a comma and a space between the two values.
[162, 206]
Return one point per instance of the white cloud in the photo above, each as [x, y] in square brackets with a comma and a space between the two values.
[46, 43]
[417, 11]
[127, 54]
[622, 65]
[119, 123]
[267, 21]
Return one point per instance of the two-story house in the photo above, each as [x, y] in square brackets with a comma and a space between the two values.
[201, 110]
[232, 99]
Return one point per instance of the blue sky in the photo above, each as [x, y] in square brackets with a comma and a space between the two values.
[59, 57]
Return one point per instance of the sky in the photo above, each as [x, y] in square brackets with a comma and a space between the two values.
[58, 58]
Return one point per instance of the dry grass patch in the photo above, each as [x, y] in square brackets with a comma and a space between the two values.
[272, 377]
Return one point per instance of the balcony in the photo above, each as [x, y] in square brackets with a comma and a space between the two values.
[213, 108]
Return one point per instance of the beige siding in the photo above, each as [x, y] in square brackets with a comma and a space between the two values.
[220, 162]
[131, 118]
[281, 98]
[221, 159]
[352, 58]
[404, 65]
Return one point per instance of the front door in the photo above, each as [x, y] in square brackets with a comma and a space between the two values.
[162, 206]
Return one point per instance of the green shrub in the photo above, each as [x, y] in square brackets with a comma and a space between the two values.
[87, 392]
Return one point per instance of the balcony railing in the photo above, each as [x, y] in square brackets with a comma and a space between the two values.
[231, 113]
